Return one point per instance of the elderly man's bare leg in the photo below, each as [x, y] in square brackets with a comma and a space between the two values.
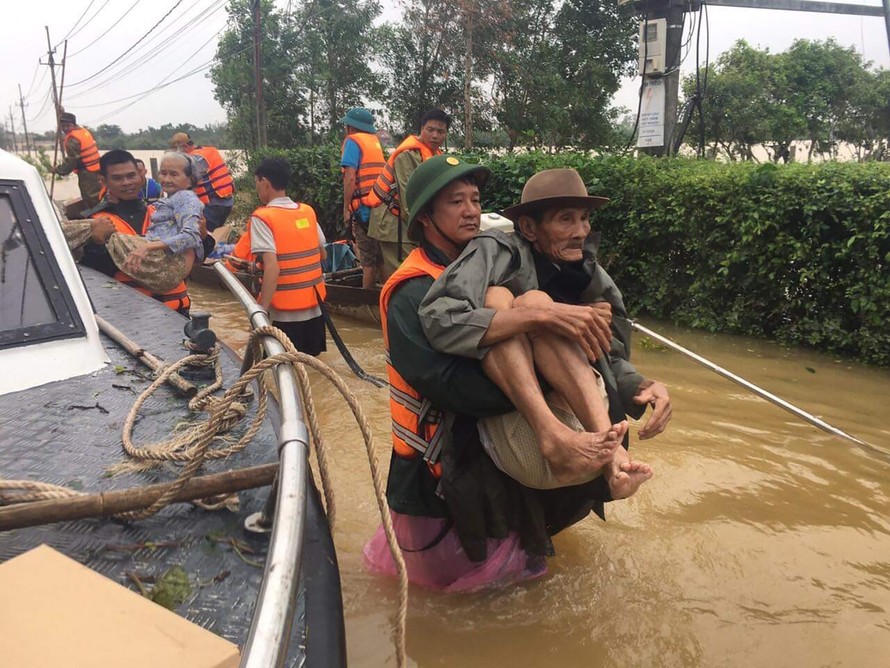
[511, 366]
[566, 368]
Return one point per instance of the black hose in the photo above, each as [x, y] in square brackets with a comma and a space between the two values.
[344, 351]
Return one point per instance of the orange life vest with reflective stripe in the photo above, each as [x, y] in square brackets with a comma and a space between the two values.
[370, 167]
[89, 152]
[176, 298]
[417, 427]
[386, 188]
[300, 278]
[217, 182]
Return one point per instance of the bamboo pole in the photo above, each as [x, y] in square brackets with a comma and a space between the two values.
[154, 363]
[110, 503]
[756, 389]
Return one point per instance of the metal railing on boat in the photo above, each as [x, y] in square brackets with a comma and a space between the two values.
[271, 628]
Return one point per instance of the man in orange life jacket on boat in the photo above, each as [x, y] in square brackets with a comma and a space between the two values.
[215, 187]
[461, 521]
[389, 220]
[81, 156]
[123, 211]
[362, 162]
[287, 242]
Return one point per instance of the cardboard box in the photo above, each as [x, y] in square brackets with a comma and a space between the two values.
[55, 612]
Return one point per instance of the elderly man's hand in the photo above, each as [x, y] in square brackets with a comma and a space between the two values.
[100, 230]
[585, 325]
[656, 395]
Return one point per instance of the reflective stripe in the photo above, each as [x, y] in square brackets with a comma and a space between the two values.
[300, 286]
[405, 400]
[411, 439]
[299, 255]
[299, 270]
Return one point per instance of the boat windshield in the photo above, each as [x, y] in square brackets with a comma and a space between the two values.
[35, 303]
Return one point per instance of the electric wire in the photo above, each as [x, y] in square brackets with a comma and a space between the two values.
[76, 23]
[139, 62]
[108, 30]
[90, 20]
[135, 44]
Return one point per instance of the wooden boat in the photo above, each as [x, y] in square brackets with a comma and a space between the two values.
[65, 391]
[345, 294]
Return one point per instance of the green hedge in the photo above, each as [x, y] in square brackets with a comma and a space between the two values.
[797, 253]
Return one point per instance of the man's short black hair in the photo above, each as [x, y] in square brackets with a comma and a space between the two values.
[435, 115]
[116, 156]
[139, 161]
[276, 170]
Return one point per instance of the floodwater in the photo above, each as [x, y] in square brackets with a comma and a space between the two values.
[761, 541]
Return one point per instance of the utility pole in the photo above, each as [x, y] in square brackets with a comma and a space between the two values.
[887, 20]
[24, 121]
[661, 37]
[469, 8]
[258, 75]
[15, 143]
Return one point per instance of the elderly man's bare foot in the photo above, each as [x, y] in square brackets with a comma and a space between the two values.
[573, 455]
[626, 476]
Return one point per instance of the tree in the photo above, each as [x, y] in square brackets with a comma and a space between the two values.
[818, 76]
[421, 63]
[332, 46]
[557, 74]
[233, 77]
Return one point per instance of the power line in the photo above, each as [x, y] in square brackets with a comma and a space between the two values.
[113, 25]
[90, 20]
[163, 83]
[76, 23]
[112, 63]
[133, 66]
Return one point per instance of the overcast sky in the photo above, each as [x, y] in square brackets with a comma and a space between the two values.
[102, 85]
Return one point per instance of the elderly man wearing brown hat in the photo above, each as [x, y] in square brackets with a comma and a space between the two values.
[81, 157]
[468, 515]
[516, 289]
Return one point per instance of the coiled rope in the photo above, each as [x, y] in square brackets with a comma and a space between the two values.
[193, 446]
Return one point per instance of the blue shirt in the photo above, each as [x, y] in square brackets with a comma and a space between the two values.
[152, 190]
[352, 157]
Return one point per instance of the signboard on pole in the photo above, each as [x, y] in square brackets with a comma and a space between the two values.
[651, 114]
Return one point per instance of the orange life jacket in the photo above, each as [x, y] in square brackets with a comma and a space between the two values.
[176, 298]
[417, 427]
[370, 167]
[240, 259]
[89, 152]
[300, 278]
[386, 187]
[217, 182]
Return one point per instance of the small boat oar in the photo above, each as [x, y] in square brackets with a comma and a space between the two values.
[759, 391]
[344, 351]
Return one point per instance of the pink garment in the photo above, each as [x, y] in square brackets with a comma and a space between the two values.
[446, 566]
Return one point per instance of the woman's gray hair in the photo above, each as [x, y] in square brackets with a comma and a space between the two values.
[192, 166]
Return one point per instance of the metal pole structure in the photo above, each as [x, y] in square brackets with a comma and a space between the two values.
[24, 122]
[887, 20]
[52, 72]
[270, 629]
[672, 12]
[62, 85]
[15, 141]
[258, 74]
[759, 391]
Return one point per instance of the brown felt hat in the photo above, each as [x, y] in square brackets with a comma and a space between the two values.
[553, 187]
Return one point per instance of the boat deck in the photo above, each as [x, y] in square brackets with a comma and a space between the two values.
[69, 433]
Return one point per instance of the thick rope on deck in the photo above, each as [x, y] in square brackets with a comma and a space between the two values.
[26, 491]
[193, 446]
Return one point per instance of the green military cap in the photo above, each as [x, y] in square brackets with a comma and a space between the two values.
[360, 119]
[429, 178]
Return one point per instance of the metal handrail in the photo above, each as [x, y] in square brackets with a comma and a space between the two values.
[270, 630]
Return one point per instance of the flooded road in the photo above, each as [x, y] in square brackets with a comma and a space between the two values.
[761, 541]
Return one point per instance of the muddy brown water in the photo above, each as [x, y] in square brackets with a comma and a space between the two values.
[761, 541]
